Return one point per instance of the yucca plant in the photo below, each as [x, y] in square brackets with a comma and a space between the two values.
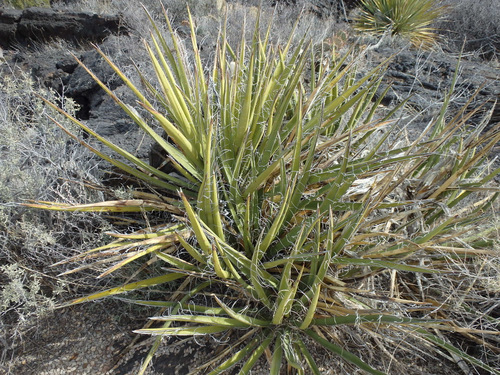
[410, 19]
[287, 196]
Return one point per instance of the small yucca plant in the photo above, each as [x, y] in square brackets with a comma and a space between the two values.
[287, 202]
[410, 19]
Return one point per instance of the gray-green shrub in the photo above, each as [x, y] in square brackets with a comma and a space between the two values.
[475, 23]
[37, 162]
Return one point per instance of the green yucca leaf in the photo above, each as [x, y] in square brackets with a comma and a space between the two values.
[244, 118]
[237, 357]
[197, 255]
[178, 67]
[237, 258]
[189, 150]
[244, 319]
[286, 296]
[134, 256]
[201, 319]
[276, 226]
[174, 98]
[176, 262]
[192, 308]
[234, 273]
[172, 131]
[292, 356]
[308, 357]
[256, 354]
[364, 319]
[185, 331]
[197, 226]
[304, 257]
[222, 273]
[316, 260]
[208, 197]
[257, 283]
[197, 289]
[313, 303]
[128, 287]
[262, 178]
[319, 270]
[277, 357]
[348, 356]
[296, 201]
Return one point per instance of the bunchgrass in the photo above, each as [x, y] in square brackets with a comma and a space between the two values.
[291, 216]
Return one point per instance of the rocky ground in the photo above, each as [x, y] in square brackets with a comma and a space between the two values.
[95, 339]
[92, 338]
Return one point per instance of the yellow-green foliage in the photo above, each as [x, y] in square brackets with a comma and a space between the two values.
[22, 4]
[410, 19]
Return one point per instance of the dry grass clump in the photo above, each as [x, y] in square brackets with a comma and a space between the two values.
[475, 23]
